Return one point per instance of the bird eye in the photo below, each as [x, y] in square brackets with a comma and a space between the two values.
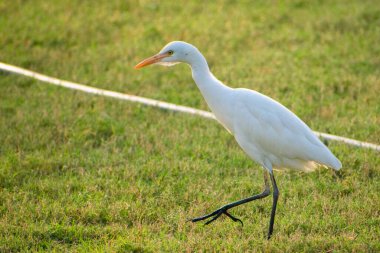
[170, 52]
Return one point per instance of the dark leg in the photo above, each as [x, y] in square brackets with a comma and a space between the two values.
[274, 205]
[223, 210]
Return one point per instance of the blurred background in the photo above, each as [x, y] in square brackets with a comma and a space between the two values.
[87, 173]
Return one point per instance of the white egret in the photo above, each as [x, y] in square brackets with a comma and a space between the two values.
[267, 131]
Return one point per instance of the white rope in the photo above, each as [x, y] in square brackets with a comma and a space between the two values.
[156, 103]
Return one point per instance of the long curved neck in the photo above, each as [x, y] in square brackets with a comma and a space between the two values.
[217, 95]
[209, 86]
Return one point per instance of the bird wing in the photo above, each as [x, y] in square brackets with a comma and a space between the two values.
[276, 131]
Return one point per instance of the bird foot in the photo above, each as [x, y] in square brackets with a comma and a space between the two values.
[215, 215]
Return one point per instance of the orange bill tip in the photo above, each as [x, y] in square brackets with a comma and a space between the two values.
[151, 60]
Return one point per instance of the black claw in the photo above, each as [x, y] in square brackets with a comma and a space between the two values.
[234, 218]
[215, 215]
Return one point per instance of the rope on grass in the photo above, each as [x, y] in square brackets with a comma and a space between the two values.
[156, 103]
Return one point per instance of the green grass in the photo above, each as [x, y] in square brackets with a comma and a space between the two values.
[86, 173]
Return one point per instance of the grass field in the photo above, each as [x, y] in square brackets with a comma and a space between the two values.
[84, 173]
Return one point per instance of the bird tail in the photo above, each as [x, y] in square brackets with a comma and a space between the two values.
[326, 157]
[335, 163]
[330, 160]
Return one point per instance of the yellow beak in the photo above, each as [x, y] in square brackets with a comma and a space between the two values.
[151, 60]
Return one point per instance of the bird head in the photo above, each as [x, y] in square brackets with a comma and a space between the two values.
[173, 53]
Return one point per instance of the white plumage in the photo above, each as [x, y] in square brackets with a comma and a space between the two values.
[267, 131]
